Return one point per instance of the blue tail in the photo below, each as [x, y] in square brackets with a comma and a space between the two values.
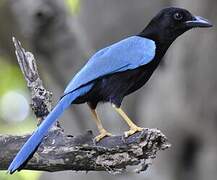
[34, 141]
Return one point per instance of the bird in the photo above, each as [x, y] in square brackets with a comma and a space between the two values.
[114, 72]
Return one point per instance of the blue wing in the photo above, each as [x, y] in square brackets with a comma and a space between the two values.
[129, 53]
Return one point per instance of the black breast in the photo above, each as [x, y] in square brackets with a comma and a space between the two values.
[113, 88]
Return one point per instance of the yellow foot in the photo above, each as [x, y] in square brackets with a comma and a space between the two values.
[102, 134]
[132, 131]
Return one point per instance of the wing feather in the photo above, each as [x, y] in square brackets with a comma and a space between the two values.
[129, 53]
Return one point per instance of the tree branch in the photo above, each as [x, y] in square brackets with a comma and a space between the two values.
[59, 151]
[41, 98]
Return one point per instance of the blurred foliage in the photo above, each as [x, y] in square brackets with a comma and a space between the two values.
[73, 6]
[18, 128]
[11, 77]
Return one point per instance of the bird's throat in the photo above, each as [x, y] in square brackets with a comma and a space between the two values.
[160, 39]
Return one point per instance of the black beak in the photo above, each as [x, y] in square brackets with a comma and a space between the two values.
[199, 22]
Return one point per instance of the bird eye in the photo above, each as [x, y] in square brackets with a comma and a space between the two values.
[178, 16]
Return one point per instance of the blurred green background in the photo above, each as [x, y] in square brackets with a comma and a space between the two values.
[180, 99]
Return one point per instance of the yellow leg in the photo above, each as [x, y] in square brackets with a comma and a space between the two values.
[133, 127]
[102, 131]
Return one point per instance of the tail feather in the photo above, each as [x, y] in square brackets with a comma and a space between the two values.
[27, 160]
[34, 141]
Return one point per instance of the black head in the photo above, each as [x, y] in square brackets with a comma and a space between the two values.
[171, 22]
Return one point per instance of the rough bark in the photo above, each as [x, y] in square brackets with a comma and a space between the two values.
[60, 152]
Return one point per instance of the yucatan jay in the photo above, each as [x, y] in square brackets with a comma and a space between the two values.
[115, 72]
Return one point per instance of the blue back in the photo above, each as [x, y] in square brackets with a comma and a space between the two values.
[129, 53]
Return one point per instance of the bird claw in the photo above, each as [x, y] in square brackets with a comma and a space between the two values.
[132, 131]
[103, 134]
[142, 134]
